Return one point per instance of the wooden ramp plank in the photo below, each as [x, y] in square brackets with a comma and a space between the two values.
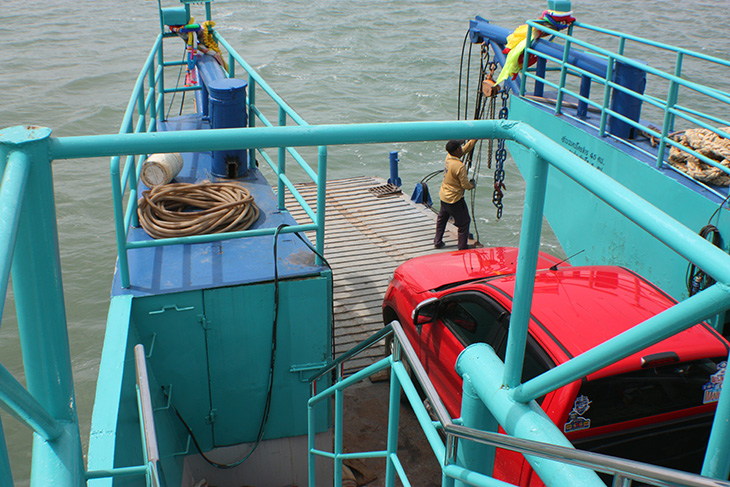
[366, 239]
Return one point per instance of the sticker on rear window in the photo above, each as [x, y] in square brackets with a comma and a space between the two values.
[576, 420]
[711, 390]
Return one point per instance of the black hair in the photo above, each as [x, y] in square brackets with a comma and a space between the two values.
[453, 146]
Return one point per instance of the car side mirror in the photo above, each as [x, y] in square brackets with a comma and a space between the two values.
[425, 312]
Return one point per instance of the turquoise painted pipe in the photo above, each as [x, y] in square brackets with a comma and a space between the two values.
[478, 457]
[6, 473]
[12, 190]
[536, 186]
[17, 401]
[667, 323]
[41, 314]
[480, 366]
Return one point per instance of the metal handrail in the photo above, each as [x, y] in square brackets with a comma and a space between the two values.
[669, 106]
[626, 469]
[147, 419]
[122, 181]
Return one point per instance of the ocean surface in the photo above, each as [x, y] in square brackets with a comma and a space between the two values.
[70, 65]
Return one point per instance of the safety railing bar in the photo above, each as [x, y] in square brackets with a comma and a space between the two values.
[604, 463]
[439, 409]
[16, 400]
[270, 162]
[649, 42]
[297, 196]
[139, 85]
[393, 458]
[12, 191]
[147, 419]
[260, 81]
[363, 345]
[631, 62]
[218, 237]
[680, 109]
[648, 154]
[504, 441]
[302, 163]
[297, 157]
[181, 89]
[693, 152]
[117, 472]
[381, 364]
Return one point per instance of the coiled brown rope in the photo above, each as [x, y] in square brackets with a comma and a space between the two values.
[183, 209]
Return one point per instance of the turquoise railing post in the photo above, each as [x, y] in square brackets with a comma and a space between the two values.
[563, 75]
[153, 106]
[339, 401]
[717, 457]
[161, 81]
[6, 474]
[121, 230]
[471, 455]
[393, 418]
[668, 124]
[251, 112]
[38, 290]
[133, 182]
[321, 200]
[14, 179]
[606, 97]
[282, 164]
[526, 56]
[479, 364]
[536, 186]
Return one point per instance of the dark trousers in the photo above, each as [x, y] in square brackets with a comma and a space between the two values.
[460, 212]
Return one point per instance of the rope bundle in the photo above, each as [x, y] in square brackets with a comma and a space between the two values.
[183, 209]
[710, 145]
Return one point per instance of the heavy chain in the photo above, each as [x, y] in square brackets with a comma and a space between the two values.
[500, 156]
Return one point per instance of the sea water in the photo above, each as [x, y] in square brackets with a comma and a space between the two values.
[70, 65]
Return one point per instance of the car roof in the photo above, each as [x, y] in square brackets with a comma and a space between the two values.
[445, 269]
[576, 308]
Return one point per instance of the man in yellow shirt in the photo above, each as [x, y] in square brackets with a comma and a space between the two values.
[451, 194]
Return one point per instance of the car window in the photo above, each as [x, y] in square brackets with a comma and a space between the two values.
[472, 317]
[536, 360]
[646, 392]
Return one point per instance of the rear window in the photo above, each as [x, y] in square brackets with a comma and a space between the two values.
[646, 392]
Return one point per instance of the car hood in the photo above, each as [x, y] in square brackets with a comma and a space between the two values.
[441, 269]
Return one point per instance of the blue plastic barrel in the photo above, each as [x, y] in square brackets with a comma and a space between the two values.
[227, 109]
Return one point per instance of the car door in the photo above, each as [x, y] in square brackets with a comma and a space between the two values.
[463, 318]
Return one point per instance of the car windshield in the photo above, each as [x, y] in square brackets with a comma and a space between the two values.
[646, 392]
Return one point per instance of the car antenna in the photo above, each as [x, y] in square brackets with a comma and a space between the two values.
[554, 267]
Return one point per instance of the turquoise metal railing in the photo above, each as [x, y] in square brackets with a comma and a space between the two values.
[38, 290]
[457, 440]
[670, 106]
[142, 116]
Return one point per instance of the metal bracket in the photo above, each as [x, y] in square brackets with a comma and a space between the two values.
[169, 400]
[187, 449]
[210, 418]
[301, 368]
[171, 307]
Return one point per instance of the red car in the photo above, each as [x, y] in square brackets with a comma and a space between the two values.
[633, 408]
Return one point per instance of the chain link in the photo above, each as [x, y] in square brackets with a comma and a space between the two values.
[500, 156]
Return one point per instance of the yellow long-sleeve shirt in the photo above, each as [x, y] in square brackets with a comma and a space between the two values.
[455, 178]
